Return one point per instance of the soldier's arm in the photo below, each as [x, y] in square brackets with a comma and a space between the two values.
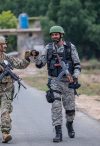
[18, 63]
[41, 60]
[76, 61]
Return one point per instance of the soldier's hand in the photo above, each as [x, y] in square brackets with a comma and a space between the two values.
[34, 53]
[75, 80]
[70, 79]
[1, 68]
[27, 55]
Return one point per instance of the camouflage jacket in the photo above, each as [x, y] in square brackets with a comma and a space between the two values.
[7, 81]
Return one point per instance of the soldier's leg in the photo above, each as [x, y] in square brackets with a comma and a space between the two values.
[57, 118]
[57, 112]
[69, 104]
[6, 109]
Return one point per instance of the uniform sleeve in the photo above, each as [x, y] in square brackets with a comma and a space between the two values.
[76, 61]
[41, 60]
[18, 63]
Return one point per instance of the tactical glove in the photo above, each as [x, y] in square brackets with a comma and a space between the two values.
[34, 53]
[27, 55]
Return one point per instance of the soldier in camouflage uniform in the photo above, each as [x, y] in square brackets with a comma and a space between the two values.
[7, 89]
[62, 94]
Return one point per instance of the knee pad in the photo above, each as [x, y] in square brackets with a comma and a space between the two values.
[70, 112]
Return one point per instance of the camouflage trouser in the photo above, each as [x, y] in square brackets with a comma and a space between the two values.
[67, 98]
[6, 108]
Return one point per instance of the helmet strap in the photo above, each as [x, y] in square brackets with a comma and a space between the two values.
[56, 41]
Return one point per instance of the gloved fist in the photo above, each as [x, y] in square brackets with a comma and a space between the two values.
[34, 53]
[70, 79]
[27, 55]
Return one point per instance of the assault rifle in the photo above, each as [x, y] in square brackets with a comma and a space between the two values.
[65, 71]
[7, 71]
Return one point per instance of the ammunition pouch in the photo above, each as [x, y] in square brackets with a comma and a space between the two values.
[50, 95]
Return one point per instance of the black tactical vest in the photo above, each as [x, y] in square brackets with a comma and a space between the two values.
[52, 59]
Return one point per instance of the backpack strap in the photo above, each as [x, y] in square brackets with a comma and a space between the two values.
[50, 51]
[67, 49]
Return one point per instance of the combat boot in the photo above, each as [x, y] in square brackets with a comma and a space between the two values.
[71, 132]
[6, 137]
[58, 137]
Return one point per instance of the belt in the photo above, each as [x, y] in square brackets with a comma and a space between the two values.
[62, 80]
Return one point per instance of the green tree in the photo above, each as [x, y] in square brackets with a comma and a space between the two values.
[31, 7]
[78, 19]
[8, 20]
[46, 23]
[53, 10]
[68, 17]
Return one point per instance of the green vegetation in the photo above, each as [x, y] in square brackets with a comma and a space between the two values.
[9, 20]
[80, 19]
[90, 82]
[91, 65]
[31, 7]
[89, 88]
[46, 24]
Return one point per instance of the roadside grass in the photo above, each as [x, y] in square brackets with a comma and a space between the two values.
[91, 64]
[39, 80]
[90, 89]
[89, 79]
[91, 71]
[90, 82]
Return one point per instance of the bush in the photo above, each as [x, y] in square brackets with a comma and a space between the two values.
[46, 24]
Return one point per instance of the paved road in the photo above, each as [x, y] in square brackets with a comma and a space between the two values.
[32, 124]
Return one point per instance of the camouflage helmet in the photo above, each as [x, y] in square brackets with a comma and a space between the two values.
[2, 40]
[55, 29]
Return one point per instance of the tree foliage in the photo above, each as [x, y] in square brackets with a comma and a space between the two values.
[80, 19]
[8, 20]
[46, 24]
[53, 8]
[31, 7]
